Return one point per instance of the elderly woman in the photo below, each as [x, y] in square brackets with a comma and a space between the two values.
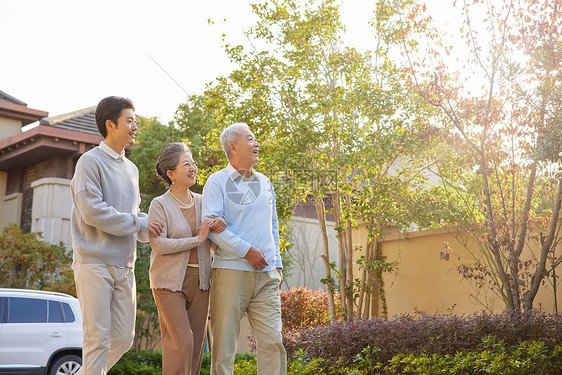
[180, 262]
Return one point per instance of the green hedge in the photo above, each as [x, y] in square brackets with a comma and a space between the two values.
[138, 363]
[492, 358]
[150, 363]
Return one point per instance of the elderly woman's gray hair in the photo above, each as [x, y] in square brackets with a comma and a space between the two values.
[169, 158]
[230, 135]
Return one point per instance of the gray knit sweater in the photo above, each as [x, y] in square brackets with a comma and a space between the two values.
[105, 221]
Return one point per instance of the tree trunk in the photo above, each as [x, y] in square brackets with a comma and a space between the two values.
[540, 272]
[321, 213]
[378, 300]
[363, 289]
[340, 235]
[350, 292]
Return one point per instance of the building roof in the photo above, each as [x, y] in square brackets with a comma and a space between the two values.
[83, 121]
[65, 135]
[13, 108]
[10, 99]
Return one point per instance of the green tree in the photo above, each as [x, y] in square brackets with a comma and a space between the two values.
[196, 124]
[147, 328]
[505, 165]
[152, 136]
[27, 262]
[335, 125]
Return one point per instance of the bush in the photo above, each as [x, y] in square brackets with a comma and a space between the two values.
[206, 364]
[242, 363]
[138, 363]
[431, 334]
[492, 358]
[246, 367]
[150, 363]
[304, 308]
[296, 366]
[27, 262]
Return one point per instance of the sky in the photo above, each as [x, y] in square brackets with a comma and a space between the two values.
[61, 56]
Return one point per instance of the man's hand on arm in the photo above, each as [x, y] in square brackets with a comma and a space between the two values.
[256, 258]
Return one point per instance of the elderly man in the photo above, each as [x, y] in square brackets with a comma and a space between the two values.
[247, 268]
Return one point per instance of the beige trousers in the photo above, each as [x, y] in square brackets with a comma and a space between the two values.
[183, 322]
[107, 296]
[256, 294]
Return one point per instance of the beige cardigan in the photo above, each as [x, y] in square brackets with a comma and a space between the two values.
[170, 250]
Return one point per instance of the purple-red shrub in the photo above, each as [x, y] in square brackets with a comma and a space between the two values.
[427, 334]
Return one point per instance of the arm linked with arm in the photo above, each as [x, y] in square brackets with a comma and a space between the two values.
[212, 207]
[163, 244]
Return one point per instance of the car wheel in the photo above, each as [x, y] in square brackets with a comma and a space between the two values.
[66, 365]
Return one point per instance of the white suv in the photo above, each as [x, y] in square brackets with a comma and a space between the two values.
[40, 333]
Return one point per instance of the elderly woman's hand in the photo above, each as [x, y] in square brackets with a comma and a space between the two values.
[218, 225]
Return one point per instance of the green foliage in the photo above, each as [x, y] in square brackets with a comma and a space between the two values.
[300, 364]
[150, 363]
[333, 123]
[27, 262]
[528, 358]
[492, 358]
[379, 340]
[138, 363]
[147, 327]
[196, 124]
[206, 364]
[152, 136]
[246, 367]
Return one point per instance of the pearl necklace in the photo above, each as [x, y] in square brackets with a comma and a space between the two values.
[183, 205]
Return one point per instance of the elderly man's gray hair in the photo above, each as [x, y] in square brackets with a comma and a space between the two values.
[230, 134]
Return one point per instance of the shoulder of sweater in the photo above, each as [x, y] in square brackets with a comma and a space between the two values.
[96, 154]
[162, 199]
[261, 176]
[164, 203]
[219, 174]
[217, 178]
[91, 154]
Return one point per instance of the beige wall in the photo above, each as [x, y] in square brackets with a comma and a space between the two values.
[424, 282]
[10, 205]
[9, 127]
[51, 210]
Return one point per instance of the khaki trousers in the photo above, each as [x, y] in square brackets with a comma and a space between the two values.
[107, 296]
[256, 294]
[183, 323]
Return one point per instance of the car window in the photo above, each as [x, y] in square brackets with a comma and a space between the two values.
[68, 314]
[2, 299]
[27, 310]
[55, 312]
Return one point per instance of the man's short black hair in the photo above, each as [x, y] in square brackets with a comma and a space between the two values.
[110, 108]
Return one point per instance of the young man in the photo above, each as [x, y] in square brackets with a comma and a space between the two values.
[247, 266]
[105, 226]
